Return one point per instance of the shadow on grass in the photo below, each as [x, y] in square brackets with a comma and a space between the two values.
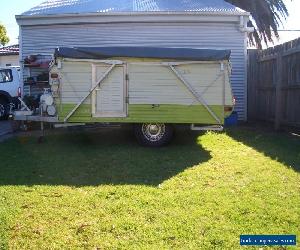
[91, 159]
[279, 146]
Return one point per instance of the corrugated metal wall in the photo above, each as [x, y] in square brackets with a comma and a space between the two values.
[43, 39]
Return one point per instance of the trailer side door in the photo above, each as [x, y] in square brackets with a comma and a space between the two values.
[109, 98]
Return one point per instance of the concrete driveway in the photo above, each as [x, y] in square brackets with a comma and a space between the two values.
[5, 127]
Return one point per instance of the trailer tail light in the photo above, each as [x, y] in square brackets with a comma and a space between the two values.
[19, 92]
[229, 109]
[54, 75]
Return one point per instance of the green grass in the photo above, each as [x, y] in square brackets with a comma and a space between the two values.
[102, 190]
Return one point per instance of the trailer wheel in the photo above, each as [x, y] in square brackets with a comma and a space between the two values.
[153, 135]
[3, 108]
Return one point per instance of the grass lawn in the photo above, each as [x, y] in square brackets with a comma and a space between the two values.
[103, 191]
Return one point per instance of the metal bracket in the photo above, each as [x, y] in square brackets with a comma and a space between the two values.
[18, 116]
[207, 128]
[67, 125]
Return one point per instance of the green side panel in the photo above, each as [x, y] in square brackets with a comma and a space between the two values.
[179, 114]
[174, 113]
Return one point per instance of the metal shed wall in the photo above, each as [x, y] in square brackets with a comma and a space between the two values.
[44, 39]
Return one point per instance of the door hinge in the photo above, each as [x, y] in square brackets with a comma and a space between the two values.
[127, 77]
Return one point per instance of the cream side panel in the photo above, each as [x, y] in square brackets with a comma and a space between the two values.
[76, 81]
[208, 80]
[150, 84]
[158, 84]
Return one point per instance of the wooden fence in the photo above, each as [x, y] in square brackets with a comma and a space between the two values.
[274, 84]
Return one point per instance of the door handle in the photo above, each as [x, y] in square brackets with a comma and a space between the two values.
[155, 106]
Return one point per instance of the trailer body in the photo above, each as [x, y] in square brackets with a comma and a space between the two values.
[141, 87]
[151, 88]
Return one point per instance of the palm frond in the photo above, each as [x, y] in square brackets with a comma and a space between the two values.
[267, 16]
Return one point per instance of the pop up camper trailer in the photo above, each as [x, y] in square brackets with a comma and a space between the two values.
[151, 88]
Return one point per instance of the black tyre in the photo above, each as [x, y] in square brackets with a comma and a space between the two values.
[153, 135]
[3, 109]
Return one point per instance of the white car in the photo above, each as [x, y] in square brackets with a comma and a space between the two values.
[10, 89]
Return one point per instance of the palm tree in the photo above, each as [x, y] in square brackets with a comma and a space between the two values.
[267, 15]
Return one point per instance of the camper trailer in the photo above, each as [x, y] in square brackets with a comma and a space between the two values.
[151, 88]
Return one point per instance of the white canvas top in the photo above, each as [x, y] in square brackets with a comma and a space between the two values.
[56, 7]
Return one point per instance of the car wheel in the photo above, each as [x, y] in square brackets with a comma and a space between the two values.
[153, 134]
[3, 109]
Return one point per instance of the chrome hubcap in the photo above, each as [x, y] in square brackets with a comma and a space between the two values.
[153, 132]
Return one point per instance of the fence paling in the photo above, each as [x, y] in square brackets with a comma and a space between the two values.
[274, 84]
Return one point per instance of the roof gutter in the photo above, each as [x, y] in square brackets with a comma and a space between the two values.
[123, 17]
[140, 13]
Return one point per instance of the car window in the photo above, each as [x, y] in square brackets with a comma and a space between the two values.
[6, 75]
